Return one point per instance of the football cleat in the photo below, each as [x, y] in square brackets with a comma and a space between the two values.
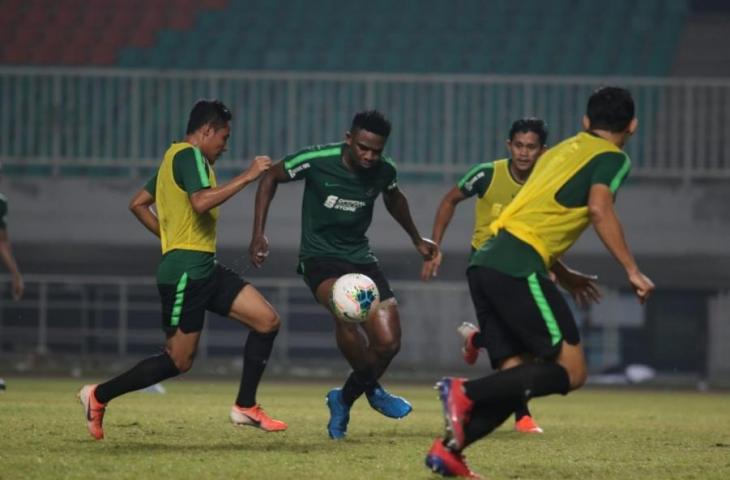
[256, 417]
[457, 408]
[93, 411]
[527, 424]
[388, 404]
[469, 351]
[441, 460]
[339, 414]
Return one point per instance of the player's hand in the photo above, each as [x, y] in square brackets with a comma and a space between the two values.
[258, 250]
[427, 248]
[643, 286]
[431, 267]
[18, 287]
[259, 165]
[582, 287]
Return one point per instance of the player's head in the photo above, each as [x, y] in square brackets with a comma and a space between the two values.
[527, 141]
[611, 109]
[366, 139]
[210, 124]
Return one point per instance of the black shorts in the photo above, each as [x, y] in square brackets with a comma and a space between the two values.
[520, 315]
[184, 305]
[316, 270]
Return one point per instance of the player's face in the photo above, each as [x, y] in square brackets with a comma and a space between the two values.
[365, 149]
[524, 149]
[214, 143]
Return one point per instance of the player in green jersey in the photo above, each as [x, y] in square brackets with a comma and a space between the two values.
[572, 186]
[190, 280]
[6, 252]
[342, 182]
[495, 184]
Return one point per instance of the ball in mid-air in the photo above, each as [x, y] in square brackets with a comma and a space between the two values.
[353, 296]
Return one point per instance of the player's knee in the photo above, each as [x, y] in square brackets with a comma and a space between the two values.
[577, 376]
[269, 323]
[387, 348]
[183, 360]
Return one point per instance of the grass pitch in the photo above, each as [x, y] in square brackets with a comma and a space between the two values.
[185, 434]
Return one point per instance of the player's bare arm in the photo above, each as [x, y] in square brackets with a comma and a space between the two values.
[258, 249]
[397, 205]
[6, 254]
[582, 287]
[141, 207]
[609, 230]
[444, 214]
[204, 200]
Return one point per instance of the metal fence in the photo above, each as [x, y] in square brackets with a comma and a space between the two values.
[69, 321]
[117, 122]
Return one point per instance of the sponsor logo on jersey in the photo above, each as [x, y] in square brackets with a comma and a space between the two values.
[297, 169]
[336, 203]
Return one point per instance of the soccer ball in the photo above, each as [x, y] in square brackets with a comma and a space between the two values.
[352, 297]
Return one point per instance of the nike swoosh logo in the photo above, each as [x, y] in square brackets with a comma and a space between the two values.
[330, 184]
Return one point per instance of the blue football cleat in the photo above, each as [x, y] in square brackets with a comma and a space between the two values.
[339, 414]
[388, 404]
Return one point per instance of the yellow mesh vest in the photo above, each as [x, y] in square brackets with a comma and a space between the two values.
[534, 216]
[502, 189]
[180, 226]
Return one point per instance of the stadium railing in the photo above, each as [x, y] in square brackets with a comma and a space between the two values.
[110, 122]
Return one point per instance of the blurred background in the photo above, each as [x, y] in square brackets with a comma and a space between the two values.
[93, 91]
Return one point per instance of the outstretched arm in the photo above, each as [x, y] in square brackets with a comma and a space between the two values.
[258, 249]
[444, 214]
[140, 206]
[6, 254]
[609, 230]
[208, 198]
[582, 287]
[397, 205]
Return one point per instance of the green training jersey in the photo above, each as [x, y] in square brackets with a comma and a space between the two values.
[512, 256]
[337, 205]
[186, 171]
[3, 211]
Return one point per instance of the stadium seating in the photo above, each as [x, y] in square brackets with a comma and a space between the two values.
[426, 36]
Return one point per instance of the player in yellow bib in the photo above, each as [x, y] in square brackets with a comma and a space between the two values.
[495, 184]
[189, 278]
[572, 185]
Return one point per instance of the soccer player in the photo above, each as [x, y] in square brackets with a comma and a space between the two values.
[189, 278]
[342, 181]
[572, 185]
[6, 252]
[496, 184]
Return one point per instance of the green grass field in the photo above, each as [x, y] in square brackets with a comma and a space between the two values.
[591, 434]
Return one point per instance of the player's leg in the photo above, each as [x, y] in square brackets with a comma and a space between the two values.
[183, 313]
[541, 319]
[241, 301]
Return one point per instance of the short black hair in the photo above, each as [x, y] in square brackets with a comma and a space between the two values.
[610, 108]
[538, 126]
[372, 121]
[208, 111]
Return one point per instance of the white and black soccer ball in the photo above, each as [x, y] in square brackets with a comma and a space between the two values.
[353, 296]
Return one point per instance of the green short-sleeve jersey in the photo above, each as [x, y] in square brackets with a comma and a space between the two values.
[337, 205]
[512, 256]
[186, 169]
[3, 211]
[477, 180]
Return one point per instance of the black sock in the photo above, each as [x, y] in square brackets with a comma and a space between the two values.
[519, 384]
[147, 372]
[522, 410]
[484, 418]
[356, 384]
[256, 353]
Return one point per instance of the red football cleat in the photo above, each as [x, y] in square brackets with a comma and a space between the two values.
[527, 424]
[93, 410]
[457, 408]
[440, 459]
[256, 417]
